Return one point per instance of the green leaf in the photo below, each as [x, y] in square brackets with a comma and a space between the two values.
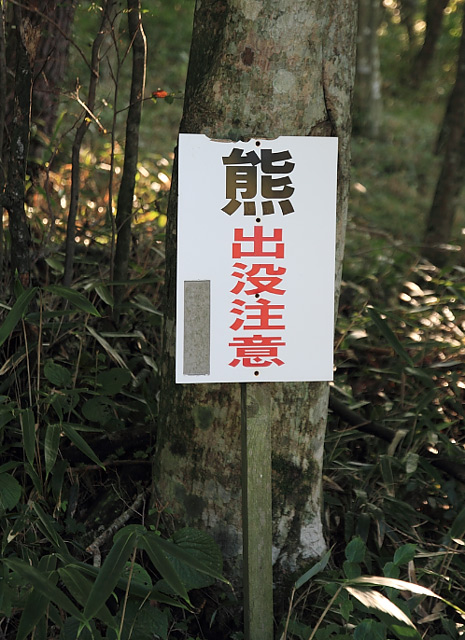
[49, 530]
[370, 630]
[136, 588]
[99, 409]
[43, 583]
[355, 550]
[389, 336]
[351, 569]
[75, 298]
[10, 492]
[80, 443]
[186, 556]
[151, 544]
[404, 554]
[317, 567]
[57, 374]
[108, 348]
[203, 548]
[51, 444]
[36, 604]
[109, 573]
[113, 380]
[29, 433]
[80, 587]
[104, 293]
[145, 622]
[16, 313]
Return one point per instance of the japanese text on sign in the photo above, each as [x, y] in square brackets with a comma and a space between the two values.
[255, 272]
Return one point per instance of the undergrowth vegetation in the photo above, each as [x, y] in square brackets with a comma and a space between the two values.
[78, 406]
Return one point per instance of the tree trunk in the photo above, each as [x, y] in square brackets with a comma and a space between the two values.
[256, 70]
[70, 245]
[27, 35]
[433, 18]
[128, 180]
[367, 97]
[442, 213]
[50, 69]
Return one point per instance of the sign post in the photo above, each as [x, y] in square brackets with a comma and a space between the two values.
[256, 512]
[255, 296]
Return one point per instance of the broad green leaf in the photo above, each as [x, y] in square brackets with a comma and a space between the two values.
[389, 336]
[10, 492]
[351, 569]
[203, 548]
[405, 553]
[43, 583]
[109, 573]
[376, 600]
[355, 550]
[16, 313]
[114, 380]
[57, 374]
[75, 298]
[99, 409]
[317, 567]
[80, 443]
[185, 556]
[80, 587]
[163, 565]
[370, 630]
[51, 444]
[145, 622]
[29, 433]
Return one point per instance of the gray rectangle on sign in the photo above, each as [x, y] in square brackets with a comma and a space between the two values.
[196, 327]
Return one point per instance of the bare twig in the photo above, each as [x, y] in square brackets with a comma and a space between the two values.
[94, 547]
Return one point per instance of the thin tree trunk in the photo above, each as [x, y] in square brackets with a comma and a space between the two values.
[14, 194]
[367, 97]
[128, 180]
[3, 92]
[70, 244]
[256, 70]
[433, 18]
[441, 216]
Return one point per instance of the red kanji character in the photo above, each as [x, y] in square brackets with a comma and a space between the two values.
[267, 282]
[256, 351]
[258, 240]
[264, 315]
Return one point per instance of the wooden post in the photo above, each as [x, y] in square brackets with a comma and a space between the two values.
[256, 511]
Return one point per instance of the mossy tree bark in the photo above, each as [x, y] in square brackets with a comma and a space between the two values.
[256, 69]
